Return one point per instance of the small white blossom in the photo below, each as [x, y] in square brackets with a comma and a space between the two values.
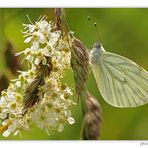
[16, 133]
[37, 61]
[46, 52]
[3, 115]
[42, 39]
[31, 28]
[6, 133]
[53, 38]
[43, 25]
[60, 128]
[30, 58]
[71, 120]
[18, 84]
[35, 45]
[68, 91]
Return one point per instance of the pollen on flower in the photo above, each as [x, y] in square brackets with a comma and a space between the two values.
[38, 96]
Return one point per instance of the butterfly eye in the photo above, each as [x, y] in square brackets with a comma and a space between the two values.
[97, 45]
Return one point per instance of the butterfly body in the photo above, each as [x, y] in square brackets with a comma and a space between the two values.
[121, 82]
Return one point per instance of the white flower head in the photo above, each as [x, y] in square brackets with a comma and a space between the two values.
[48, 56]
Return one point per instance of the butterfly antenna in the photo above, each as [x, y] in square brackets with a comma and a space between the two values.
[97, 31]
[96, 28]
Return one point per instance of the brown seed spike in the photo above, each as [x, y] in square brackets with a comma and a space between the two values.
[80, 65]
[58, 18]
[32, 89]
[92, 119]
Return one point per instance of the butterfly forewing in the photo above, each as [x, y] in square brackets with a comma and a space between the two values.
[121, 82]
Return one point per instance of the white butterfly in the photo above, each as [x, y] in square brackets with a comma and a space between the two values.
[121, 82]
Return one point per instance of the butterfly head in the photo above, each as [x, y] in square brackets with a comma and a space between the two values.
[97, 45]
[96, 52]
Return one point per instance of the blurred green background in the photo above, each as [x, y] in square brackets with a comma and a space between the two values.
[122, 31]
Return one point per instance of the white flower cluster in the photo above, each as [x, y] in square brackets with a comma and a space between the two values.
[52, 111]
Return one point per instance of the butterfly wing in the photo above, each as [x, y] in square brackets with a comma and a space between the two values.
[121, 82]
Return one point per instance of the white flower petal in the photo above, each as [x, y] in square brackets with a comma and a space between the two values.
[6, 133]
[48, 133]
[71, 120]
[37, 61]
[11, 97]
[3, 101]
[53, 38]
[3, 115]
[16, 133]
[43, 25]
[68, 113]
[46, 52]
[44, 61]
[42, 39]
[11, 128]
[5, 122]
[31, 28]
[30, 58]
[18, 84]
[49, 29]
[35, 45]
[68, 91]
[27, 40]
[60, 128]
